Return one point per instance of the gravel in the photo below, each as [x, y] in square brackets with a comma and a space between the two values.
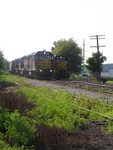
[77, 91]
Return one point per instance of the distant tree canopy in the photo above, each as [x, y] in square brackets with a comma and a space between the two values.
[3, 61]
[94, 63]
[69, 49]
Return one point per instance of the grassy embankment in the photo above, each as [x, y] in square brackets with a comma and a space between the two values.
[52, 108]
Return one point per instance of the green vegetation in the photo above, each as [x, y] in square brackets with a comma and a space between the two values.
[53, 108]
[57, 108]
[6, 80]
[71, 50]
[16, 80]
[4, 64]
[94, 64]
[15, 129]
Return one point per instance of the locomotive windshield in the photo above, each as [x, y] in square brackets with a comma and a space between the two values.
[60, 58]
[44, 55]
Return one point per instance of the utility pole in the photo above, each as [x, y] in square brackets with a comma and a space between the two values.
[97, 38]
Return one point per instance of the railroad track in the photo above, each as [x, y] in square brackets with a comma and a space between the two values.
[101, 88]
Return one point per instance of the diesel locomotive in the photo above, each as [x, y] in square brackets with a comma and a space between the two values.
[41, 65]
[61, 67]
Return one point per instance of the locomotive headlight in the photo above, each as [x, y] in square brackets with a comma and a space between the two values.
[40, 70]
[51, 71]
[44, 52]
[60, 57]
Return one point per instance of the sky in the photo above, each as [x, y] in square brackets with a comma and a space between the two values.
[28, 26]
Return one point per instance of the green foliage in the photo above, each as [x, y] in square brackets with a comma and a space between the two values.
[4, 117]
[3, 72]
[54, 108]
[57, 108]
[69, 49]
[3, 61]
[51, 101]
[6, 80]
[110, 127]
[94, 63]
[19, 130]
[4, 146]
[16, 80]
[16, 129]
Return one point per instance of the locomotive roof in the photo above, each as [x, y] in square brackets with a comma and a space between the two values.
[34, 53]
[31, 55]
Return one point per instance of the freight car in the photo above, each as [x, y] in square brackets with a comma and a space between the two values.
[41, 65]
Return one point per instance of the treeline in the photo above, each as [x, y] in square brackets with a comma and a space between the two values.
[4, 64]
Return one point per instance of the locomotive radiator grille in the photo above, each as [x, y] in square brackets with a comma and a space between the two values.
[45, 64]
[61, 66]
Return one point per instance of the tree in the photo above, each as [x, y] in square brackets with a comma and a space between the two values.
[94, 64]
[69, 49]
[2, 61]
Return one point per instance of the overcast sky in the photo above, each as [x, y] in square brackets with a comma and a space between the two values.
[28, 26]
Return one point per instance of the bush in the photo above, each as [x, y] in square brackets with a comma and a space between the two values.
[4, 146]
[16, 129]
[19, 130]
[4, 117]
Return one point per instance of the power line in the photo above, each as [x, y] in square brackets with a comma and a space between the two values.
[97, 38]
